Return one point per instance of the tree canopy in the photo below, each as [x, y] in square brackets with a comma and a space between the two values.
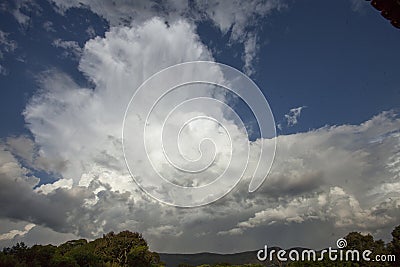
[122, 249]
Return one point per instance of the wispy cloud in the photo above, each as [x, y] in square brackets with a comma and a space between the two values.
[359, 5]
[293, 116]
[71, 48]
[7, 46]
[13, 233]
[48, 26]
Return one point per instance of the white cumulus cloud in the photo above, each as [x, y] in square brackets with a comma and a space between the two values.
[339, 176]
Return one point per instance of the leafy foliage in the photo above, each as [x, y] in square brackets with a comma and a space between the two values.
[394, 246]
[112, 250]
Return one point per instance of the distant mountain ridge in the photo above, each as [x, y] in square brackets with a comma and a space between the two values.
[195, 259]
[173, 260]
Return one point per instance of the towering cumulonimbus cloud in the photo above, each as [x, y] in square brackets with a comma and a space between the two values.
[341, 178]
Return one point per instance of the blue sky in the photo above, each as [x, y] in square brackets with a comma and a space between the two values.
[338, 62]
[329, 70]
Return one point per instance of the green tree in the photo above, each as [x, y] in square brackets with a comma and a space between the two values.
[63, 261]
[125, 249]
[7, 260]
[357, 241]
[394, 246]
[40, 255]
[17, 253]
[70, 245]
[112, 250]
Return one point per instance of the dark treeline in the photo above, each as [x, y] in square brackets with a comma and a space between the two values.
[130, 249]
[123, 249]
